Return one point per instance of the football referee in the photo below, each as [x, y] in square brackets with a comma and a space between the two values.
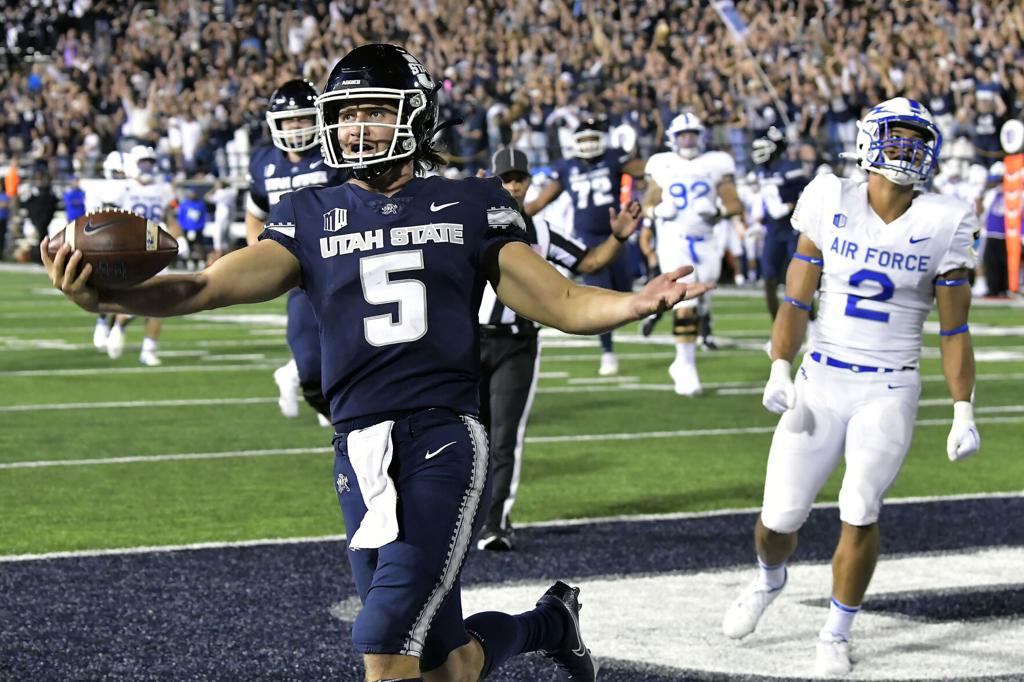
[509, 354]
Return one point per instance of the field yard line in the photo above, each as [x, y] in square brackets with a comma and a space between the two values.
[575, 438]
[136, 403]
[555, 523]
[166, 369]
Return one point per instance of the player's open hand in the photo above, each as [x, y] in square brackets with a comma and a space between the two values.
[625, 223]
[664, 291]
[66, 275]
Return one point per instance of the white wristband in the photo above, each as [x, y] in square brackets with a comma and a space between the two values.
[963, 410]
[781, 368]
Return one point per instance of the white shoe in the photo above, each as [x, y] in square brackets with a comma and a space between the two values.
[322, 420]
[149, 358]
[287, 379]
[99, 335]
[833, 655]
[115, 342]
[609, 365]
[687, 382]
[741, 618]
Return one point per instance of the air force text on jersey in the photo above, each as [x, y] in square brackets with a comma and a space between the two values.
[895, 260]
[370, 240]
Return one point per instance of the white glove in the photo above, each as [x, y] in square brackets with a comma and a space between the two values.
[964, 439]
[666, 210]
[779, 392]
[706, 209]
[182, 247]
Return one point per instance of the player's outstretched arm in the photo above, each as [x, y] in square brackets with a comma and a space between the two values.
[953, 298]
[256, 273]
[534, 289]
[546, 196]
[623, 224]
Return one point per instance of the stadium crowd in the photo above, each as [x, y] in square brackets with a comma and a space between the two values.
[81, 78]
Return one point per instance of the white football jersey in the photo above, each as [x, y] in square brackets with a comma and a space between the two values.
[877, 283]
[148, 201]
[689, 188]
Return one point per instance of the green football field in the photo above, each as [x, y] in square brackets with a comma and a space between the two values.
[96, 453]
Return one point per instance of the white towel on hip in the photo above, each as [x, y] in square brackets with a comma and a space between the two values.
[370, 452]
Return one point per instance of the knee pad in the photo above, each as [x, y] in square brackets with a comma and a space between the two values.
[783, 520]
[315, 397]
[683, 325]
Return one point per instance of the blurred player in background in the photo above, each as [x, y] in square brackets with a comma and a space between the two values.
[509, 350]
[223, 196]
[684, 187]
[881, 254]
[593, 178]
[114, 165]
[192, 221]
[152, 197]
[293, 161]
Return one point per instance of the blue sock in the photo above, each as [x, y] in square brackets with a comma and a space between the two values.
[606, 342]
[503, 636]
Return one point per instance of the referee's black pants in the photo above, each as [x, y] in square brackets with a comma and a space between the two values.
[996, 268]
[508, 381]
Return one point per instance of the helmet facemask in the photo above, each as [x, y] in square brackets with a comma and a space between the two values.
[408, 105]
[589, 143]
[293, 139]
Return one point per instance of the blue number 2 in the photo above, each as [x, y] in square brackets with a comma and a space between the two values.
[885, 294]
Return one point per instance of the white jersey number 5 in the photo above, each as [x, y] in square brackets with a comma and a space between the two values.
[410, 294]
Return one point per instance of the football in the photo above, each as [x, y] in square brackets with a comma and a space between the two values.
[123, 248]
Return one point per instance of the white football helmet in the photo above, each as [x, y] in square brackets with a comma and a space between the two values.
[590, 139]
[686, 123]
[113, 166]
[902, 160]
[143, 164]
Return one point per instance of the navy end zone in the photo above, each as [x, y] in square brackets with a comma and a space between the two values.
[265, 612]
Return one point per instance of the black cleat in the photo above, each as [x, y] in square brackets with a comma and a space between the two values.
[572, 656]
[495, 541]
[647, 326]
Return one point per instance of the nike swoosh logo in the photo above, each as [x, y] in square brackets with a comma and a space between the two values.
[437, 452]
[918, 240]
[898, 385]
[93, 229]
[314, 165]
[438, 207]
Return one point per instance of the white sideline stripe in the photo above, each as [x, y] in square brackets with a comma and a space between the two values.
[166, 369]
[136, 403]
[577, 438]
[556, 523]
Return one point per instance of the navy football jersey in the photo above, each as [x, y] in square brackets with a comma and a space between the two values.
[272, 175]
[396, 284]
[594, 186]
[788, 178]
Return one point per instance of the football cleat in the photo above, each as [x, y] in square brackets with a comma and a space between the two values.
[149, 358]
[115, 342]
[687, 383]
[495, 541]
[833, 655]
[647, 326]
[287, 379]
[572, 656]
[609, 365]
[100, 334]
[741, 618]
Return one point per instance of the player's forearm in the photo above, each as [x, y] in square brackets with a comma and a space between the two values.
[788, 332]
[164, 296]
[600, 256]
[958, 365]
[588, 310]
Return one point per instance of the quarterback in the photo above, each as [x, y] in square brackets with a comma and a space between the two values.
[879, 252]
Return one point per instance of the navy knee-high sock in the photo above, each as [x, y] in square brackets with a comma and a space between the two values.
[606, 342]
[503, 636]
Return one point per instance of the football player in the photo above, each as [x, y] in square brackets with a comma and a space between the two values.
[150, 196]
[291, 162]
[397, 292]
[684, 188]
[880, 253]
[112, 189]
[593, 178]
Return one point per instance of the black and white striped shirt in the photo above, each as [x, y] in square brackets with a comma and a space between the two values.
[549, 244]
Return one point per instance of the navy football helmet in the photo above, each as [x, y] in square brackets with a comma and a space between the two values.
[766, 150]
[378, 74]
[294, 99]
[590, 139]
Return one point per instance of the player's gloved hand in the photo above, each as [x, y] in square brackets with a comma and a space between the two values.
[964, 439]
[706, 209]
[183, 248]
[780, 392]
